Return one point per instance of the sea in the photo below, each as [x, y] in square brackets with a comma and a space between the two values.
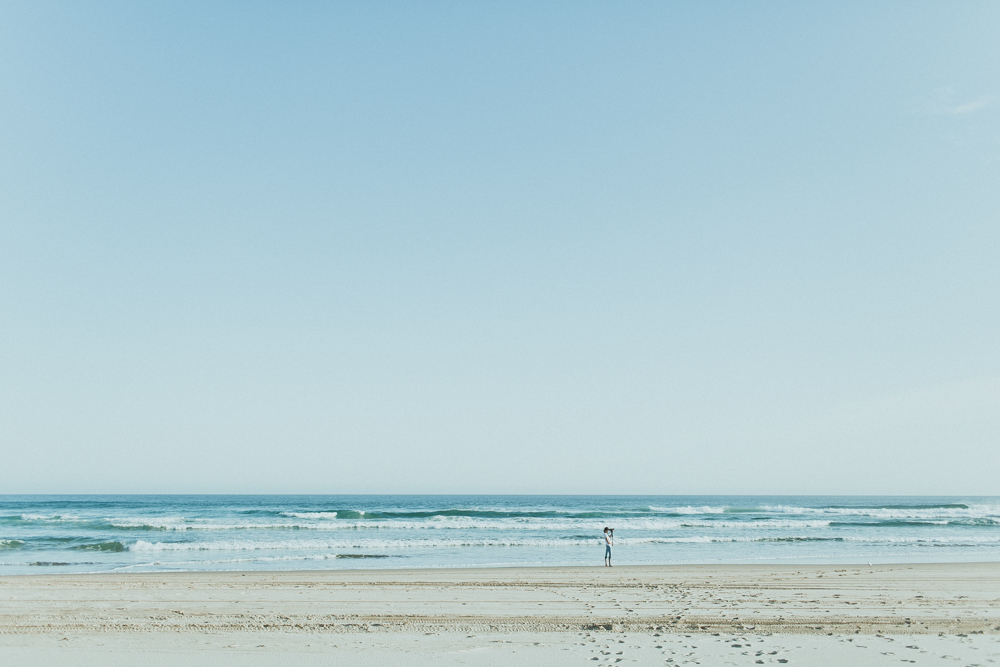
[163, 533]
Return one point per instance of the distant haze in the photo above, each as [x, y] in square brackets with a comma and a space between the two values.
[657, 248]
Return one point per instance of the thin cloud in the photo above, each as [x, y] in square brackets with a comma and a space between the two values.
[970, 107]
[944, 102]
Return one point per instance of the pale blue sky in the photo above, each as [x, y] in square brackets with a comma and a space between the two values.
[500, 247]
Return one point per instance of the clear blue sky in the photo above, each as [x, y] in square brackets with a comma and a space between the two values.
[500, 247]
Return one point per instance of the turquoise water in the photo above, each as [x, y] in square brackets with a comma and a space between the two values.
[165, 533]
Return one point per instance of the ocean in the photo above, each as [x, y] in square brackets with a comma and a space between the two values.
[147, 533]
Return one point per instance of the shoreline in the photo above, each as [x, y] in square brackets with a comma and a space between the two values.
[46, 569]
[656, 570]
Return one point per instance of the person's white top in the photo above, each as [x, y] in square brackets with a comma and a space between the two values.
[607, 539]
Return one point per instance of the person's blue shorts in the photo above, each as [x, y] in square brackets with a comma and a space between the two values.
[607, 551]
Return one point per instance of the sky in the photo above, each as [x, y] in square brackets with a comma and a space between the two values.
[500, 247]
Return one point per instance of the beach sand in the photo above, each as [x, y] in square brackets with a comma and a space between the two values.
[663, 615]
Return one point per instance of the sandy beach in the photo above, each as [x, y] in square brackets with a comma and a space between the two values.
[743, 614]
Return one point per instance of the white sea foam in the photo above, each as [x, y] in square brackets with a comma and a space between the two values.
[951, 540]
[688, 509]
[159, 522]
[174, 524]
[783, 517]
[889, 513]
[469, 523]
[55, 518]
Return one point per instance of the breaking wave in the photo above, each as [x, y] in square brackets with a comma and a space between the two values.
[331, 531]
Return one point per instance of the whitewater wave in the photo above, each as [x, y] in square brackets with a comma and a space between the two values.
[322, 521]
[54, 518]
[463, 523]
[636, 518]
[101, 546]
[688, 509]
[954, 511]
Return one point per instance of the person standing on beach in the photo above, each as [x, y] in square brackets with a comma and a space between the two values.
[609, 541]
